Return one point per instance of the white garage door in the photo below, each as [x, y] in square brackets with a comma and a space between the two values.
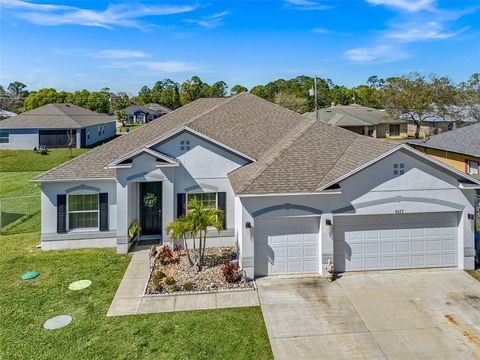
[286, 245]
[395, 241]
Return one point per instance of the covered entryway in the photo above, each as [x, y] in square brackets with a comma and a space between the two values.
[151, 208]
[402, 241]
[287, 245]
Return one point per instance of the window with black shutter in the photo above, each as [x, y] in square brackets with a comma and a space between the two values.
[61, 214]
[103, 200]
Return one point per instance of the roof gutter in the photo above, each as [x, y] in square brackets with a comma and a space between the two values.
[70, 179]
[331, 192]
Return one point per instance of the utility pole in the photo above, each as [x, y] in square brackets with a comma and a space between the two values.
[313, 92]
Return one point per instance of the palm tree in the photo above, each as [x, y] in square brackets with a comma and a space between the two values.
[194, 224]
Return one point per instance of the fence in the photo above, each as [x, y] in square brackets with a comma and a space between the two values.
[15, 211]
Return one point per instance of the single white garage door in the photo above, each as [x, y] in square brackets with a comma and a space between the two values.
[395, 241]
[286, 245]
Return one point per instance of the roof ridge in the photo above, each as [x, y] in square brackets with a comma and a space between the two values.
[277, 154]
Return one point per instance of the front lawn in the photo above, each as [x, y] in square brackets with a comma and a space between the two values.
[25, 305]
[475, 273]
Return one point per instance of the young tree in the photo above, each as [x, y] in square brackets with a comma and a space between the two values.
[122, 117]
[469, 98]
[193, 225]
[237, 89]
[418, 97]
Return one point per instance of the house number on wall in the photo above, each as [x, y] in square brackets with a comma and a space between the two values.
[398, 211]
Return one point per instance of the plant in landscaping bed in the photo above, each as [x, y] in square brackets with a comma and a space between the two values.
[164, 255]
[169, 280]
[157, 278]
[188, 286]
[231, 272]
[193, 225]
[175, 288]
[133, 230]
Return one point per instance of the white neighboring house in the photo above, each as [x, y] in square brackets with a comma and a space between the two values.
[53, 126]
[5, 114]
[295, 191]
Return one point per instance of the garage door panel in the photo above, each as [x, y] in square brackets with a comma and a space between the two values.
[286, 246]
[395, 241]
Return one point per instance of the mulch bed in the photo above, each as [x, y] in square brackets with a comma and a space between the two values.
[186, 280]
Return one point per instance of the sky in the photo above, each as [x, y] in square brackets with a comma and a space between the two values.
[123, 45]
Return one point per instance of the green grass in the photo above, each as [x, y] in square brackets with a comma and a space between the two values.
[27, 160]
[25, 305]
[130, 127]
[475, 273]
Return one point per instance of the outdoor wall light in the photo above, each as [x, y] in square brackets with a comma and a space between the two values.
[328, 222]
[248, 225]
[471, 216]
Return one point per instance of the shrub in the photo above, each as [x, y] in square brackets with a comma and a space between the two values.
[231, 272]
[188, 286]
[157, 280]
[169, 280]
[165, 255]
[177, 247]
[175, 288]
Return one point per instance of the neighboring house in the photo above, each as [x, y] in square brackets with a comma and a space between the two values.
[459, 148]
[362, 120]
[53, 126]
[140, 114]
[162, 110]
[296, 192]
[4, 114]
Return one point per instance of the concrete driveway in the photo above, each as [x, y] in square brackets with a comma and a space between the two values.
[430, 314]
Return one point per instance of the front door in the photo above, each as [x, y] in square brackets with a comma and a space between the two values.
[151, 208]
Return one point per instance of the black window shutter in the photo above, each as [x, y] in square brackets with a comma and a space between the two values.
[103, 206]
[61, 214]
[222, 205]
[181, 204]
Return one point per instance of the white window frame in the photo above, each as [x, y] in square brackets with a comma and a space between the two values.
[197, 193]
[83, 211]
[3, 137]
[469, 169]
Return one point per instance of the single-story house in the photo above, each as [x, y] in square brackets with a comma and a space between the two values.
[459, 148]
[141, 114]
[295, 191]
[362, 120]
[55, 126]
[162, 110]
[5, 114]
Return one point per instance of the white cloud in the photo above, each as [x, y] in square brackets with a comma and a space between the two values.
[405, 5]
[306, 5]
[378, 53]
[114, 15]
[161, 67]
[320, 30]
[119, 54]
[431, 30]
[211, 21]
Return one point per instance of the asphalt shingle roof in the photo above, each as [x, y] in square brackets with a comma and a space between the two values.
[353, 115]
[56, 116]
[465, 140]
[293, 153]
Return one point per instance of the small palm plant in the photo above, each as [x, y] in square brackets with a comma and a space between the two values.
[194, 225]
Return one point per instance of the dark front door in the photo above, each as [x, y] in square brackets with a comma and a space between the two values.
[151, 208]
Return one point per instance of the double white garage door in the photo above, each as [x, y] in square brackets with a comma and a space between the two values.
[291, 245]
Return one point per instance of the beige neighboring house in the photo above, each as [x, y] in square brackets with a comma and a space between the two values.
[363, 120]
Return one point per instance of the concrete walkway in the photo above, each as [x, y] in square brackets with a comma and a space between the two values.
[375, 315]
[130, 299]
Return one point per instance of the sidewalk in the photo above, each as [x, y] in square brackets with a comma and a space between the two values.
[130, 299]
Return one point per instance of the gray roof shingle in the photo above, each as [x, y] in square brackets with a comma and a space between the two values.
[56, 116]
[353, 115]
[293, 153]
[465, 140]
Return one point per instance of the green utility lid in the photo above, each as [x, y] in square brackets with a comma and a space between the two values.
[79, 285]
[30, 275]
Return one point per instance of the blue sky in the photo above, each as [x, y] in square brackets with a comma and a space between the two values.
[126, 44]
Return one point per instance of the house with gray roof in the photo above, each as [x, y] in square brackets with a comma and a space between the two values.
[55, 126]
[459, 148]
[295, 192]
[5, 114]
[362, 120]
[144, 114]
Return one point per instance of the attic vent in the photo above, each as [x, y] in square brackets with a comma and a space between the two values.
[369, 109]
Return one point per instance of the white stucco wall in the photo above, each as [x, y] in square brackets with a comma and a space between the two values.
[20, 139]
[374, 190]
[49, 237]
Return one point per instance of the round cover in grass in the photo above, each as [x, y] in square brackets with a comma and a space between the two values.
[30, 275]
[79, 285]
[57, 322]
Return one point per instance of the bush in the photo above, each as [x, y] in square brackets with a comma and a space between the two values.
[175, 288]
[157, 280]
[169, 280]
[231, 272]
[188, 286]
[165, 255]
